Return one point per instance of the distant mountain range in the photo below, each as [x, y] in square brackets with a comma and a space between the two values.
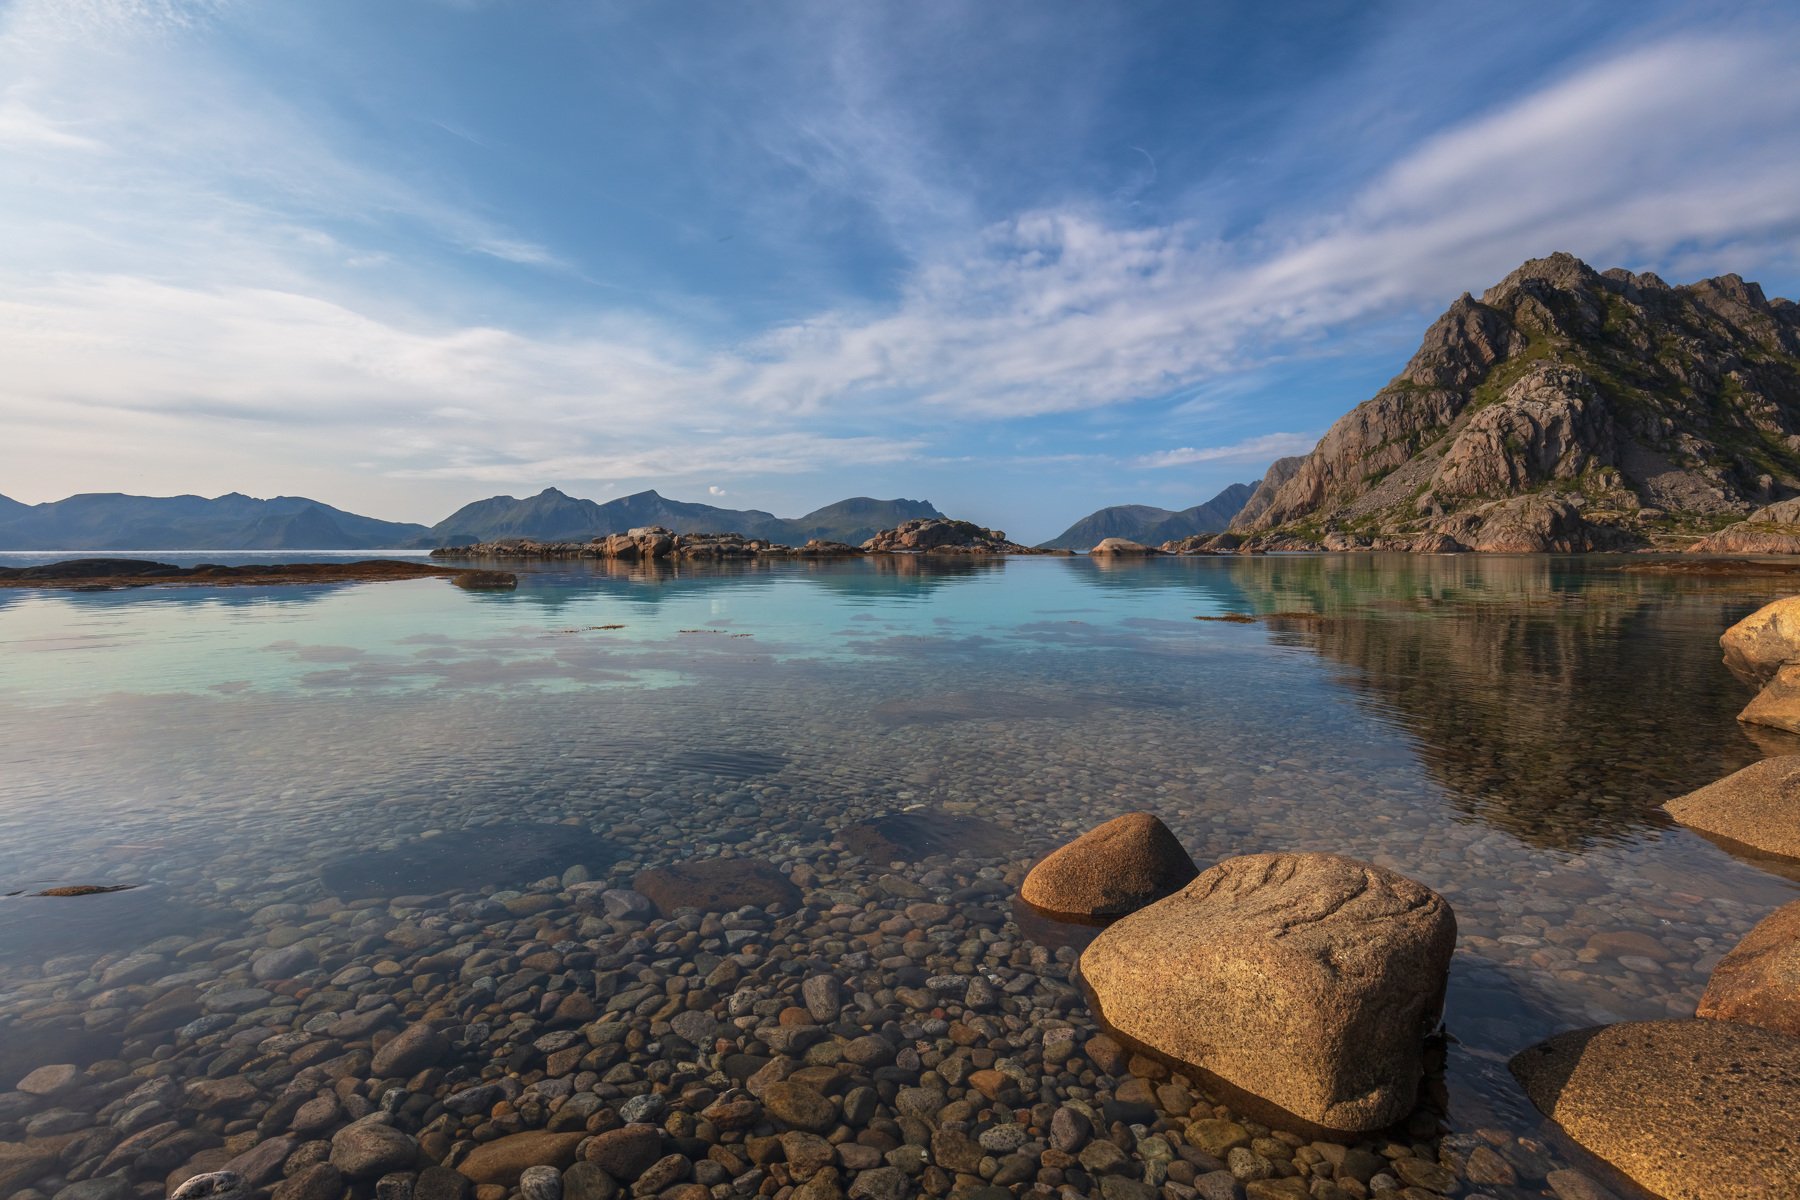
[553, 516]
[1153, 526]
[113, 521]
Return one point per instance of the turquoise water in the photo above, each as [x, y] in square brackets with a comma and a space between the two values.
[1503, 729]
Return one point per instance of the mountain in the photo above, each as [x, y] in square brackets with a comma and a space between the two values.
[1152, 526]
[855, 520]
[1567, 409]
[113, 521]
[553, 516]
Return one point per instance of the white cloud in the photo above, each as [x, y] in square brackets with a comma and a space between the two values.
[715, 490]
[177, 283]
[1261, 449]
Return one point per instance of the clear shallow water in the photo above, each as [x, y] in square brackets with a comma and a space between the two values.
[1502, 729]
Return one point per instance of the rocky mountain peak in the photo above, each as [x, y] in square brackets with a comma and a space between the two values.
[1645, 410]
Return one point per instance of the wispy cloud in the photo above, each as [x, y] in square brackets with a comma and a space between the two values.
[1259, 449]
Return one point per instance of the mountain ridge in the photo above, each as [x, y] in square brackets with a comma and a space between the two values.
[552, 515]
[1151, 525]
[234, 521]
[1566, 410]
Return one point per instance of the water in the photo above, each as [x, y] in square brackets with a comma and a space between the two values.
[1502, 729]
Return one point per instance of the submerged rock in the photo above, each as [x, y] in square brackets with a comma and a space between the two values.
[911, 836]
[1758, 983]
[715, 885]
[1111, 870]
[515, 852]
[1758, 807]
[503, 1160]
[1700, 1109]
[1309, 981]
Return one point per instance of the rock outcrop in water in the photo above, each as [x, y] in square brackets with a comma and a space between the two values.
[939, 535]
[651, 544]
[1758, 807]
[1566, 409]
[1309, 981]
[1698, 1109]
[1758, 983]
[1763, 650]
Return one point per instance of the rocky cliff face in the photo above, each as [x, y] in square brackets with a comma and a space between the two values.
[1567, 409]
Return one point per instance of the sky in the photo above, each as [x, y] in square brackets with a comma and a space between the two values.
[1022, 258]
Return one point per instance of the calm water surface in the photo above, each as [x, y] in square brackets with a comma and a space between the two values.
[1502, 729]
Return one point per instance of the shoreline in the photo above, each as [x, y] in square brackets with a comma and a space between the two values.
[117, 574]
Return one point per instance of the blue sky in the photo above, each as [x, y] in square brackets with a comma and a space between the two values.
[1022, 259]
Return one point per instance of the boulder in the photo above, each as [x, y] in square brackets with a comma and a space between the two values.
[1306, 981]
[1123, 546]
[1758, 983]
[409, 1052]
[502, 1160]
[1757, 646]
[1758, 807]
[1778, 704]
[1703, 1110]
[1111, 870]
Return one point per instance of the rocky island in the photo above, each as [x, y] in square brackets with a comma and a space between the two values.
[924, 535]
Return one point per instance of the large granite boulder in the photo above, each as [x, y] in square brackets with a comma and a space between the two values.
[1307, 981]
[1123, 547]
[1110, 870]
[1703, 1110]
[1758, 807]
[1758, 983]
[1757, 646]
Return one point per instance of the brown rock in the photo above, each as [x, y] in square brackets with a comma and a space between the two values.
[1758, 983]
[1611, 943]
[1697, 1109]
[1772, 529]
[1113, 869]
[23, 1162]
[799, 1106]
[409, 1052]
[1124, 547]
[501, 1160]
[1757, 646]
[715, 885]
[1309, 981]
[627, 1152]
[1778, 704]
[1758, 806]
